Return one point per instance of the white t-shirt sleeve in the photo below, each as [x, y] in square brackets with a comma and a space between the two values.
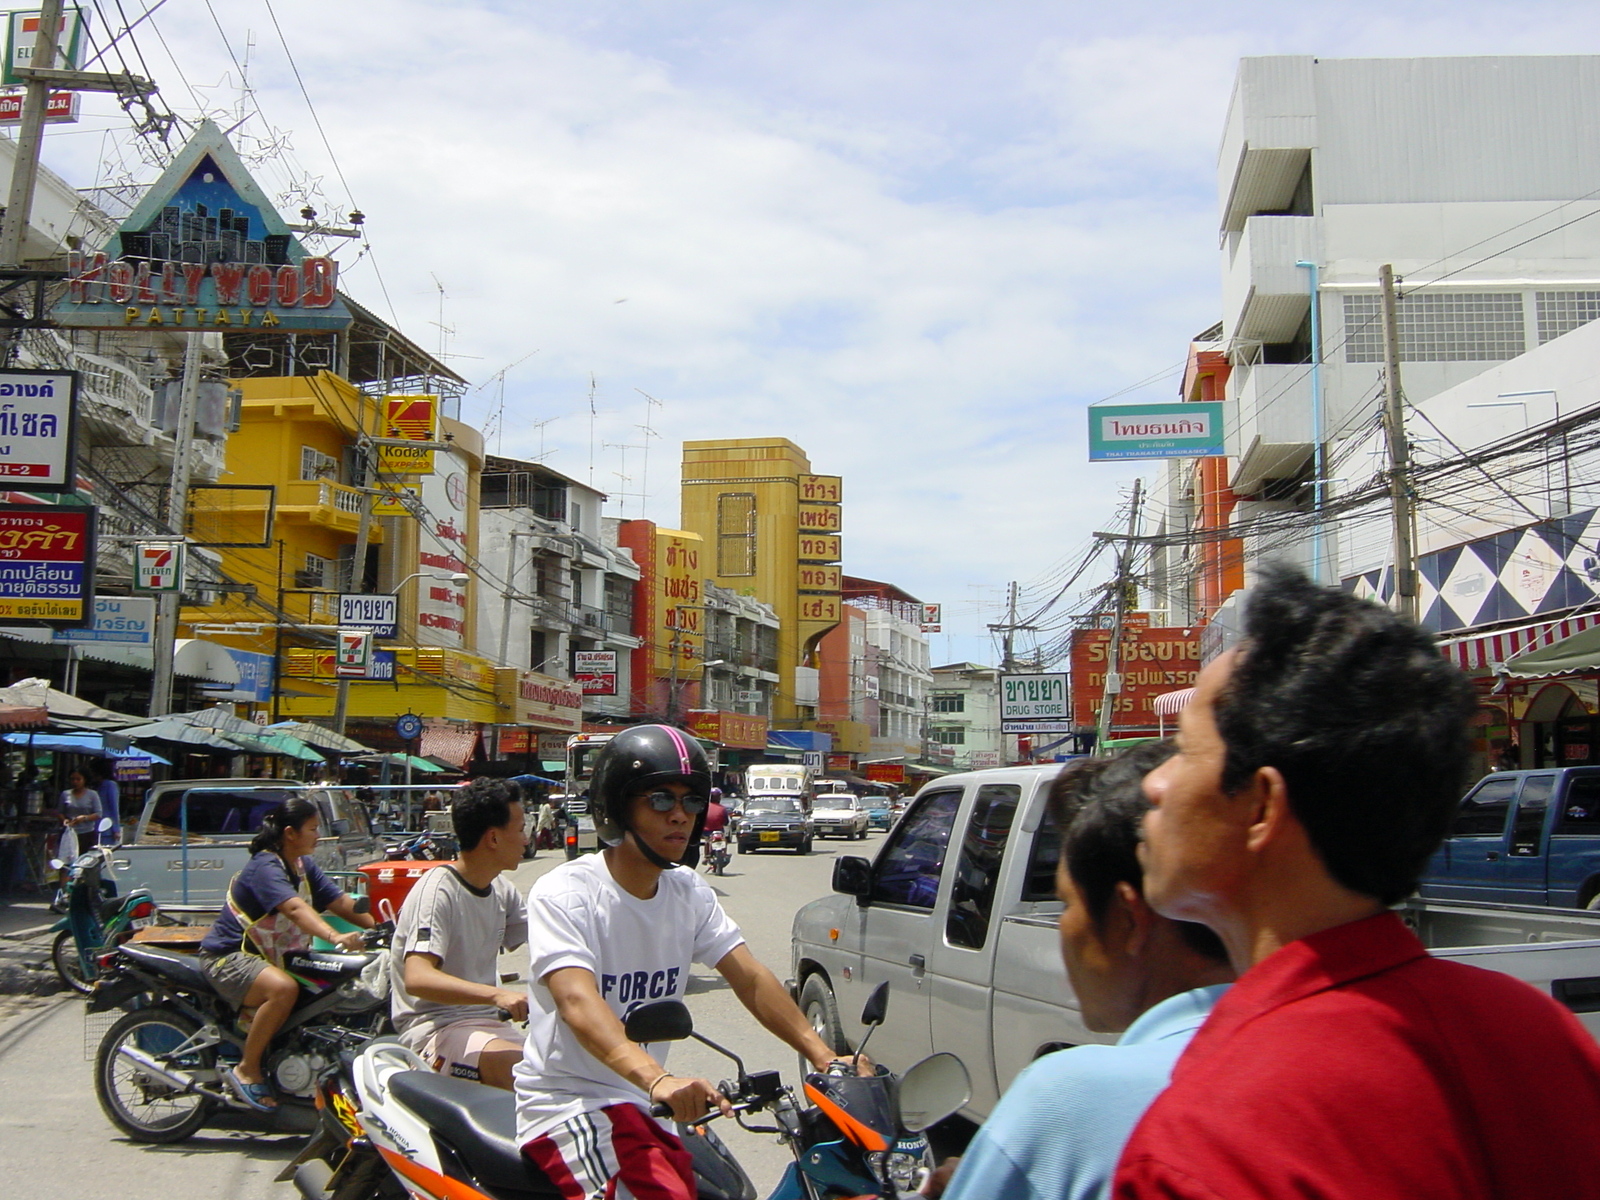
[556, 935]
[715, 932]
[516, 922]
[430, 921]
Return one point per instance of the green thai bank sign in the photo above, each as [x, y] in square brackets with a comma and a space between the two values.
[1118, 431]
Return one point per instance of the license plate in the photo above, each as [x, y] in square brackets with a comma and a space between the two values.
[771, 836]
[142, 922]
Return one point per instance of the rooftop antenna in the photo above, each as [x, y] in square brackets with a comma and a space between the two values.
[648, 429]
[592, 415]
[539, 425]
[444, 330]
[624, 447]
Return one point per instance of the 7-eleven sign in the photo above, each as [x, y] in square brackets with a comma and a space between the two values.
[352, 656]
[158, 567]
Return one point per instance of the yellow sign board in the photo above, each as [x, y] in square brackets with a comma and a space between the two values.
[680, 603]
[821, 609]
[396, 502]
[819, 548]
[819, 579]
[416, 419]
[820, 518]
[825, 488]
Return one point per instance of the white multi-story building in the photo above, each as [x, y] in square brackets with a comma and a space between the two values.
[964, 717]
[558, 583]
[1476, 178]
[898, 649]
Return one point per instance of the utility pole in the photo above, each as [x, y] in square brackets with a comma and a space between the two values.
[167, 605]
[1405, 575]
[358, 565]
[25, 167]
[1113, 684]
[1007, 630]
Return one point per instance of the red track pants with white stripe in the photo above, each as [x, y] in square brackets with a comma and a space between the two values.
[616, 1153]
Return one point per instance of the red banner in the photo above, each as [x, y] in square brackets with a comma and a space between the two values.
[886, 772]
[1152, 662]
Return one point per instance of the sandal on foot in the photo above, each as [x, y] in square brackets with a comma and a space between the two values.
[255, 1095]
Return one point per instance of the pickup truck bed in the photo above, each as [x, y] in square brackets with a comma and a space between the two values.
[969, 942]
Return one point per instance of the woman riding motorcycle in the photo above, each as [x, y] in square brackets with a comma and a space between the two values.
[272, 908]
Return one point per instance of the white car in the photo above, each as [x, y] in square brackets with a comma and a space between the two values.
[839, 814]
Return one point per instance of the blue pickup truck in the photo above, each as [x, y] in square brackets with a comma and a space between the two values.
[1523, 837]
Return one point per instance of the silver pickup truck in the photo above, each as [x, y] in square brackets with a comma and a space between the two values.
[194, 836]
[958, 913]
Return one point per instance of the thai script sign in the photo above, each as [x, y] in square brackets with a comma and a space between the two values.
[532, 698]
[127, 619]
[595, 671]
[739, 730]
[1150, 662]
[47, 563]
[819, 548]
[204, 249]
[1156, 431]
[821, 518]
[825, 488]
[37, 429]
[1033, 697]
[60, 109]
[679, 601]
[379, 613]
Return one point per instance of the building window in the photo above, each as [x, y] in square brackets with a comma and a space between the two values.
[953, 702]
[317, 573]
[736, 533]
[314, 464]
[1438, 327]
[948, 735]
[1562, 312]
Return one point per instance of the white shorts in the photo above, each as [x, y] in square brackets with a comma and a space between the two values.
[454, 1049]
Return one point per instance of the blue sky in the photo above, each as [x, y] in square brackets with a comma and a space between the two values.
[916, 238]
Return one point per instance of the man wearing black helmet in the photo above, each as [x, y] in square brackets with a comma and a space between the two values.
[614, 930]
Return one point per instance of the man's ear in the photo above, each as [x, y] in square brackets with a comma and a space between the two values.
[1271, 816]
[1135, 918]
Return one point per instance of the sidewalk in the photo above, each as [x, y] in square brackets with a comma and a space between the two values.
[25, 939]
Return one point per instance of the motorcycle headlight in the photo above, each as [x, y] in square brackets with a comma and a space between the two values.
[896, 1170]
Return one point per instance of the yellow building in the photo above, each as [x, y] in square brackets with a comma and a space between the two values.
[771, 529]
[298, 446]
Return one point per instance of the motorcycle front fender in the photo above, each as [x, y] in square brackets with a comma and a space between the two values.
[718, 1173]
[790, 1185]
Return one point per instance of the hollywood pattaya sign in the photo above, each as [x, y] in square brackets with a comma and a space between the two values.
[204, 249]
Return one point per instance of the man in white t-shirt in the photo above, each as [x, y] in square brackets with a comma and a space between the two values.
[445, 994]
[614, 930]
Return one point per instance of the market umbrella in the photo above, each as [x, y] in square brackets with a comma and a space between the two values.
[527, 780]
[101, 745]
[400, 760]
[256, 739]
[169, 729]
[285, 744]
[37, 693]
[321, 737]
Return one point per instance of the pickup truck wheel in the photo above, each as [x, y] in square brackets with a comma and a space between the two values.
[822, 1012]
[1594, 904]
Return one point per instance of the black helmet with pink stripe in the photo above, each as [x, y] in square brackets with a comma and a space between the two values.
[638, 760]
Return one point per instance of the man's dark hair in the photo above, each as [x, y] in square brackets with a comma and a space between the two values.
[1364, 718]
[482, 805]
[1099, 804]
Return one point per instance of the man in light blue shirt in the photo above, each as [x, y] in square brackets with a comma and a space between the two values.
[1059, 1129]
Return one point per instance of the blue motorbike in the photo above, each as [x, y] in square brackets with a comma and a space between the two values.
[96, 920]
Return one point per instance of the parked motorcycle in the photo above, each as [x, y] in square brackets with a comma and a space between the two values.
[422, 847]
[850, 1135]
[94, 918]
[717, 853]
[158, 1070]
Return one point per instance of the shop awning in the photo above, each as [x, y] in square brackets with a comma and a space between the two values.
[321, 737]
[1579, 652]
[1484, 651]
[100, 745]
[22, 716]
[1170, 704]
[195, 658]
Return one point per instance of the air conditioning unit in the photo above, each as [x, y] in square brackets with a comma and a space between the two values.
[592, 618]
[308, 579]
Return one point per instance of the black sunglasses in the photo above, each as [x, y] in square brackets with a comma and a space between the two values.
[664, 802]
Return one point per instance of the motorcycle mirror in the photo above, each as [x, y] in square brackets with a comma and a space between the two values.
[105, 824]
[363, 904]
[877, 1006]
[933, 1089]
[56, 864]
[663, 1021]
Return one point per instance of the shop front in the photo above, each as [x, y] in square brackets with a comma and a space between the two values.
[741, 739]
[538, 713]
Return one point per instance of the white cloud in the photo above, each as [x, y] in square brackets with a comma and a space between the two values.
[915, 238]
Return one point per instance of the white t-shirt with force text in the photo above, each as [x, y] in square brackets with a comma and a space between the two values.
[465, 928]
[638, 951]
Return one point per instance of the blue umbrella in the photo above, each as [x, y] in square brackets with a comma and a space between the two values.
[525, 780]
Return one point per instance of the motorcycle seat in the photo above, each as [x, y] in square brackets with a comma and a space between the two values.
[181, 969]
[480, 1124]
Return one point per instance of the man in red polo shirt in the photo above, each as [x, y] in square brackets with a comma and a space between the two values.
[1318, 767]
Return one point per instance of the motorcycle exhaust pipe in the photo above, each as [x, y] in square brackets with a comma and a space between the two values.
[177, 1079]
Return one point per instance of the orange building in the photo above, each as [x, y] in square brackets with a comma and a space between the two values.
[1221, 565]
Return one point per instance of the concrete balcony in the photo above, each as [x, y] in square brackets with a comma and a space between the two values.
[1264, 296]
[1271, 435]
[323, 502]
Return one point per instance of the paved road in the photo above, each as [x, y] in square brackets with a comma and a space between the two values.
[53, 1135]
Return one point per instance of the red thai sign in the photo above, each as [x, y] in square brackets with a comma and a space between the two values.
[1153, 661]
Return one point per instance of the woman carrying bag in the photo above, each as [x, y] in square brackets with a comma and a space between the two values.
[272, 909]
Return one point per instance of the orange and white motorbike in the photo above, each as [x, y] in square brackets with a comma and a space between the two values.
[441, 1138]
